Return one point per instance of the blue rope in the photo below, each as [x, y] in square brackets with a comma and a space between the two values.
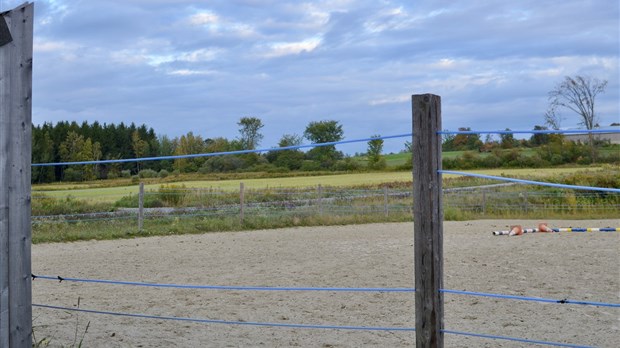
[297, 147]
[299, 326]
[557, 344]
[212, 154]
[269, 288]
[531, 182]
[525, 298]
[223, 287]
[583, 131]
[214, 321]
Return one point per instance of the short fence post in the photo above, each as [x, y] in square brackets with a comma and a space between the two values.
[320, 198]
[241, 201]
[428, 220]
[15, 174]
[141, 207]
[484, 202]
[385, 201]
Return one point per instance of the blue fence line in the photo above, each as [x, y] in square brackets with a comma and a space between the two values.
[212, 154]
[333, 289]
[533, 299]
[215, 321]
[505, 338]
[531, 182]
[224, 287]
[297, 147]
[302, 326]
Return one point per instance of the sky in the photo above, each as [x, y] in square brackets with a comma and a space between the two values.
[180, 66]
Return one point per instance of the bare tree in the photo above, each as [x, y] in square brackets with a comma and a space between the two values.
[552, 119]
[578, 94]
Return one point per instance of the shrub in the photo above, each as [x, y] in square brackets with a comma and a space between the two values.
[310, 166]
[347, 164]
[163, 173]
[126, 173]
[147, 173]
[72, 174]
[172, 195]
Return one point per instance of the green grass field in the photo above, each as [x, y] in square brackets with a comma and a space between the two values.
[399, 159]
[112, 194]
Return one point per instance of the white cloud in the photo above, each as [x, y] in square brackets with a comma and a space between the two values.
[43, 45]
[204, 18]
[215, 24]
[390, 100]
[188, 72]
[279, 49]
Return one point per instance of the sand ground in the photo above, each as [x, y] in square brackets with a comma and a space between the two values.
[577, 266]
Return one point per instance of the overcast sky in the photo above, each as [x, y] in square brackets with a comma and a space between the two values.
[200, 66]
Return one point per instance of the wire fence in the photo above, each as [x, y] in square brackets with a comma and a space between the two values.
[168, 203]
[181, 203]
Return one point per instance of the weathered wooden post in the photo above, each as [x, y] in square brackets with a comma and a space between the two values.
[386, 210]
[428, 220]
[319, 193]
[141, 207]
[15, 161]
[241, 202]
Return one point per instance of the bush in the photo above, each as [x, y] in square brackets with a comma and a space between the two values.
[126, 173]
[72, 174]
[347, 164]
[310, 166]
[172, 195]
[163, 173]
[147, 173]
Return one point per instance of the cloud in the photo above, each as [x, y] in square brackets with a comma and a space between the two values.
[278, 49]
[180, 64]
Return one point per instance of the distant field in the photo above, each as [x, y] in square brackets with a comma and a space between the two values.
[398, 159]
[111, 194]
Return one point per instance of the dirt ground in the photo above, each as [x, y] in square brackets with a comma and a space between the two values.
[576, 266]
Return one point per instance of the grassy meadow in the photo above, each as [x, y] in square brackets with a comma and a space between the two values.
[95, 193]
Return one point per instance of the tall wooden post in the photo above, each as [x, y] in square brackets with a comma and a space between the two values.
[15, 161]
[427, 220]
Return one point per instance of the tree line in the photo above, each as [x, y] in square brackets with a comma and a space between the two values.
[73, 142]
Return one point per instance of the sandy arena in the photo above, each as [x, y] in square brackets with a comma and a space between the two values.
[576, 266]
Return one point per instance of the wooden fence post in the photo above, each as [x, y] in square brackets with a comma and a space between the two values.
[428, 220]
[385, 201]
[241, 202]
[319, 193]
[141, 207]
[15, 174]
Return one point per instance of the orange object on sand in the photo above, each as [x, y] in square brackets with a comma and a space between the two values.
[542, 227]
[516, 230]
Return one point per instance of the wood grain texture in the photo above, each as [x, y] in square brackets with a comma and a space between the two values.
[15, 162]
[428, 220]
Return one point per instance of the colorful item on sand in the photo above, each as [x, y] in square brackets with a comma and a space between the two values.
[518, 230]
